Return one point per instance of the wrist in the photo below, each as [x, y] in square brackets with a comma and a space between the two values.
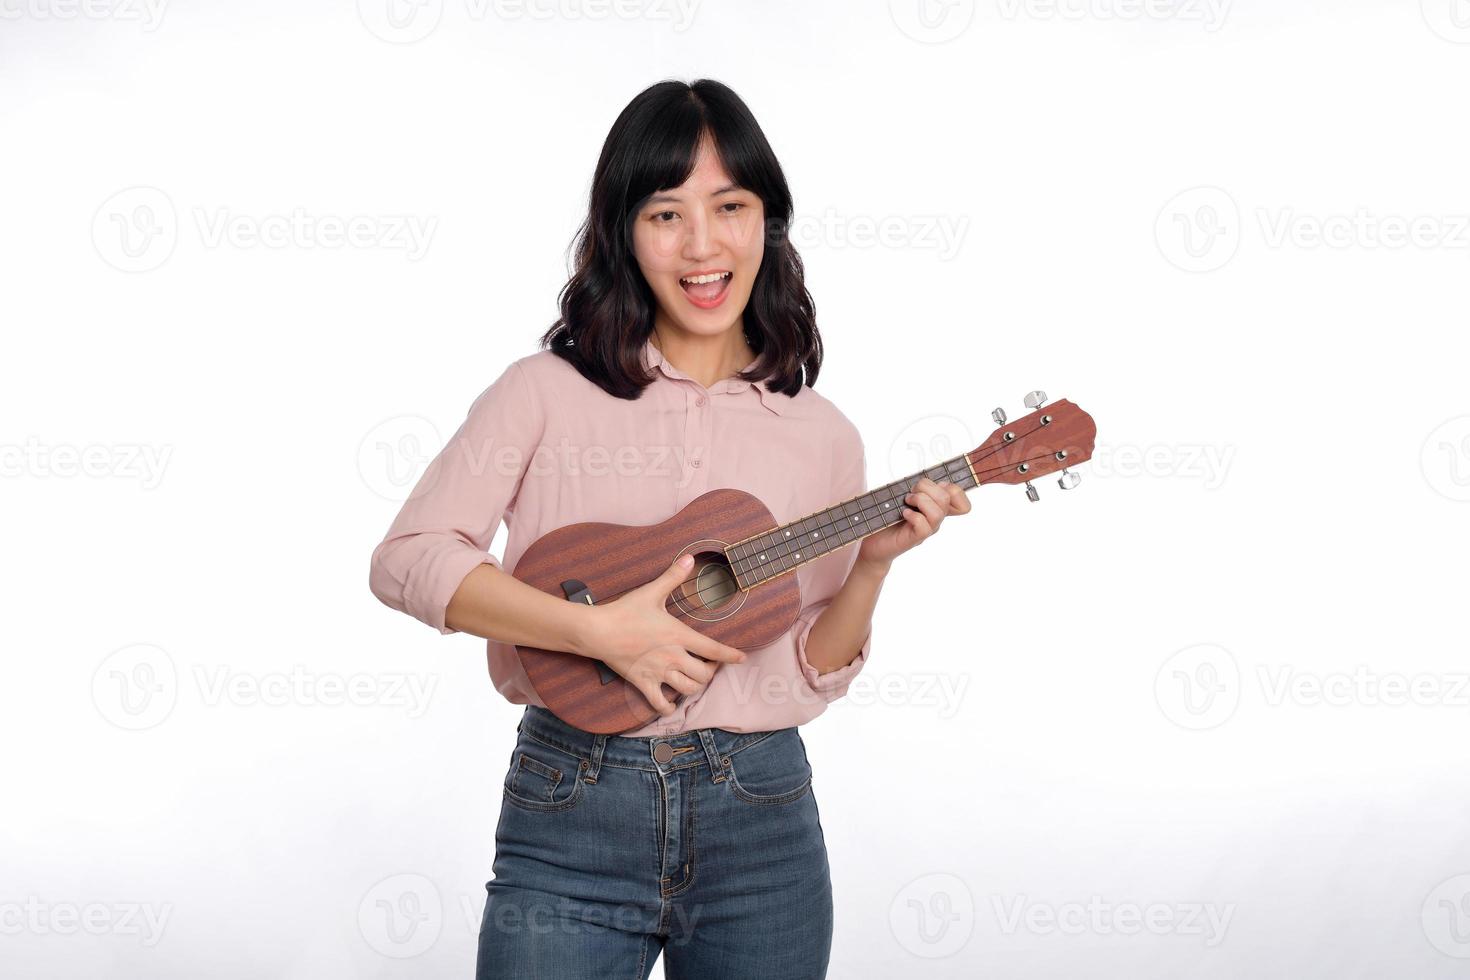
[581, 628]
[871, 569]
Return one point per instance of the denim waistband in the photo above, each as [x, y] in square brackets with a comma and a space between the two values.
[691, 748]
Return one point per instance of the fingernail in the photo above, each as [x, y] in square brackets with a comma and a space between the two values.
[686, 560]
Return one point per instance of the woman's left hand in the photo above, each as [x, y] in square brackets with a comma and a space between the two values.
[934, 502]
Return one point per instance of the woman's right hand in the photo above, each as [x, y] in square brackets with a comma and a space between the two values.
[637, 637]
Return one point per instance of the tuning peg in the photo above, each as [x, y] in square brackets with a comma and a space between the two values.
[1035, 400]
[1031, 493]
[999, 415]
[1069, 480]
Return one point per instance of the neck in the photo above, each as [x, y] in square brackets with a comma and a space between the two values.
[773, 553]
[706, 359]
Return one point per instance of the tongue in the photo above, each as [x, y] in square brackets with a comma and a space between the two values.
[706, 291]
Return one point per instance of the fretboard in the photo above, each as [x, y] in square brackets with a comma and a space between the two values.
[773, 553]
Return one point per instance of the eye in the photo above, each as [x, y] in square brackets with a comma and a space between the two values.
[663, 217]
[732, 207]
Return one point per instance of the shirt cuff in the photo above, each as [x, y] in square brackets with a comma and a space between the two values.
[834, 683]
[429, 602]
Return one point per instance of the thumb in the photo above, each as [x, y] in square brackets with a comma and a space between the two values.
[676, 572]
[672, 575]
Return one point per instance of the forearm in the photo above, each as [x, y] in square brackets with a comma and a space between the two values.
[837, 636]
[496, 605]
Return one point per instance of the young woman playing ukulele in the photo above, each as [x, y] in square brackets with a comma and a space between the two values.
[683, 361]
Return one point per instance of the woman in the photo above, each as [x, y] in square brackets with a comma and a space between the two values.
[682, 362]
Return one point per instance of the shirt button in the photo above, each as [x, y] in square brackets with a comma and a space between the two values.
[694, 461]
[699, 401]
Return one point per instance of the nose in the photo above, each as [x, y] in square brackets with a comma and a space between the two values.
[699, 242]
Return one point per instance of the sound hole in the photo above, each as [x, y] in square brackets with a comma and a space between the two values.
[710, 586]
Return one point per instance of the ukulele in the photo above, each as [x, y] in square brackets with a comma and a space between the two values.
[739, 591]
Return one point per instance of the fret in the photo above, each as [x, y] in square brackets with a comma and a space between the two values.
[773, 553]
[852, 513]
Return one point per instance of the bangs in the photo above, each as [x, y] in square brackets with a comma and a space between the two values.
[670, 151]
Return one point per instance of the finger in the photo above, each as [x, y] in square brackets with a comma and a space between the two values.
[919, 522]
[931, 508]
[711, 649]
[683, 683]
[937, 492]
[695, 668]
[959, 501]
[677, 571]
[938, 489]
[653, 691]
[941, 496]
[944, 496]
[938, 497]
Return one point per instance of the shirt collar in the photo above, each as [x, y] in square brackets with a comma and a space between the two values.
[653, 357]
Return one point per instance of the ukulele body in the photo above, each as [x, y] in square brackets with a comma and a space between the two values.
[598, 562]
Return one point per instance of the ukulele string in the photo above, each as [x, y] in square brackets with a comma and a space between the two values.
[706, 600]
[961, 465]
[957, 465]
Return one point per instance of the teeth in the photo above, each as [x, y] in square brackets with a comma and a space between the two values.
[698, 280]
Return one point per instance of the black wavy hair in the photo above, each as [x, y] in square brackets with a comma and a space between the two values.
[607, 307]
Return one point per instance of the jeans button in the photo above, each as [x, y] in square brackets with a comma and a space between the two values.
[662, 753]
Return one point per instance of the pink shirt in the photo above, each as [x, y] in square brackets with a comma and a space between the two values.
[543, 447]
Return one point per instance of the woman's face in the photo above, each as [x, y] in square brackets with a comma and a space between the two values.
[704, 229]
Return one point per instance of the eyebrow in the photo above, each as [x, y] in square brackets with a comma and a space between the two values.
[661, 198]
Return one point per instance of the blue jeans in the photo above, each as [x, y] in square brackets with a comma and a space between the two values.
[704, 845]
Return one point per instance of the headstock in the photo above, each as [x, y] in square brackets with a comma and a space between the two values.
[1049, 439]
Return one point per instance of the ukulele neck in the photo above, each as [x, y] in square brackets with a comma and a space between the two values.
[782, 549]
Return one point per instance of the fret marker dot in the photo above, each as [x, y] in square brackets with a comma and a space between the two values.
[763, 557]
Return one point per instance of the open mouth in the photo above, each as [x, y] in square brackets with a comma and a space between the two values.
[707, 290]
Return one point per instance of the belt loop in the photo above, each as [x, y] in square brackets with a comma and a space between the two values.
[599, 743]
[712, 753]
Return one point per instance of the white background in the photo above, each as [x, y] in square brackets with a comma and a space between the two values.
[1204, 716]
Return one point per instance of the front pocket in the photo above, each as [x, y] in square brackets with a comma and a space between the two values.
[534, 780]
[772, 770]
[542, 783]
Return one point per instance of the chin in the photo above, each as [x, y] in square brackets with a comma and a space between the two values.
[706, 323]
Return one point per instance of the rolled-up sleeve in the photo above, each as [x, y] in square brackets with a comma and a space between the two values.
[444, 529]
[827, 575]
